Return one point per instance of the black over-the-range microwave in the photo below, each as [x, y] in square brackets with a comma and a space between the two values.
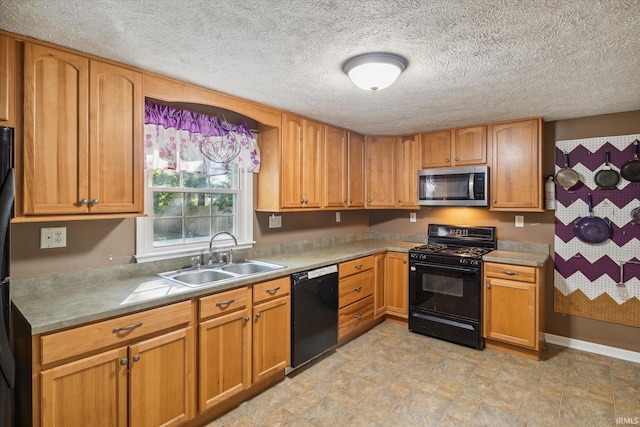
[462, 186]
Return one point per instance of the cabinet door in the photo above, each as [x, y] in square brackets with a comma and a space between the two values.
[379, 295]
[7, 81]
[397, 282]
[291, 155]
[161, 380]
[469, 146]
[380, 180]
[312, 136]
[88, 392]
[407, 173]
[335, 167]
[301, 162]
[355, 171]
[435, 149]
[115, 139]
[516, 169]
[224, 357]
[56, 162]
[271, 337]
[510, 312]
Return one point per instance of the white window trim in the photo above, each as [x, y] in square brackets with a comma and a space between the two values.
[145, 251]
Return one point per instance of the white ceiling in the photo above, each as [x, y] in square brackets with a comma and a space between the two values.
[470, 61]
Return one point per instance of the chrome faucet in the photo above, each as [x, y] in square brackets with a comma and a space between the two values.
[230, 257]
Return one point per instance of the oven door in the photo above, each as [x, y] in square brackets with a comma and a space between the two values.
[446, 289]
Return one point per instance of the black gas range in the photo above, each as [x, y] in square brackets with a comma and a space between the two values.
[445, 283]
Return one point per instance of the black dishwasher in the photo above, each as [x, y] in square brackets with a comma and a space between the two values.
[314, 314]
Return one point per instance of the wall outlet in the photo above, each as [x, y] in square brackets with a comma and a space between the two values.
[53, 237]
[519, 221]
[337, 216]
[275, 221]
[412, 217]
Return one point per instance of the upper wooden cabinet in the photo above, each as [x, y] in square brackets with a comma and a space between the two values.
[457, 147]
[291, 165]
[343, 169]
[82, 150]
[380, 152]
[7, 81]
[407, 172]
[516, 166]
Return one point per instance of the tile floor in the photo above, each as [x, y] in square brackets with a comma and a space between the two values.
[392, 377]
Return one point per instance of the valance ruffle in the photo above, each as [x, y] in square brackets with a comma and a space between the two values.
[173, 138]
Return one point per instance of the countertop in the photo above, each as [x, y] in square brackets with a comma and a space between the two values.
[531, 259]
[71, 305]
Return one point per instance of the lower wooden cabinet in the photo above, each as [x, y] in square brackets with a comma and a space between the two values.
[145, 383]
[512, 308]
[271, 330]
[224, 348]
[397, 284]
[380, 293]
[355, 297]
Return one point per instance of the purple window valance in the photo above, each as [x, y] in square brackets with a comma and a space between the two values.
[174, 137]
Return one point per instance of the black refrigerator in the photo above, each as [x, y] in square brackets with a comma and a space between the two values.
[7, 193]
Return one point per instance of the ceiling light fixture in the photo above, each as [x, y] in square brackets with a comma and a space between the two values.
[374, 71]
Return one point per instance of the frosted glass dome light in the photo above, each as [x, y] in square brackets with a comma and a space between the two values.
[374, 71]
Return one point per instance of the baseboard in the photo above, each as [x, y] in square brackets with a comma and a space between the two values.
[605, 350]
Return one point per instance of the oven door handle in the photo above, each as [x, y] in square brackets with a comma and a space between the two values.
[447, 267]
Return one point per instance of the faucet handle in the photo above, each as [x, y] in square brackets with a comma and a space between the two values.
[198, 261]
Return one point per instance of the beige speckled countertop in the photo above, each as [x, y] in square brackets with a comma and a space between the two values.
[65, 305]
[520, 258]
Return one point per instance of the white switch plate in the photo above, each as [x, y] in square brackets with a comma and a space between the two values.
[275, 221]
[519, 221]
[53, 237]
[337, 216]
[412, 217]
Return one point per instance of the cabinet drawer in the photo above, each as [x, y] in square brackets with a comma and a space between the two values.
[355, 315]
[519, 273]
[93, 337]
[271, 289]
[355, 266]
[355, 287]
[223, 303]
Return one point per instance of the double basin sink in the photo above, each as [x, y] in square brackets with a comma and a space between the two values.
[208, 275]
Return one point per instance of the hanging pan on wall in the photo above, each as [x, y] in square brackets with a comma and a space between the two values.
[631, 170]
[592, 229]
[606, 178]
[567, 177]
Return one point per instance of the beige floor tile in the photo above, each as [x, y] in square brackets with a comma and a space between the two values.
[392, 377]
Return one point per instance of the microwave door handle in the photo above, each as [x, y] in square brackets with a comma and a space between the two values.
[471, 181]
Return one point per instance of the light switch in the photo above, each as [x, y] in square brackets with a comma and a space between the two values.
[275, 221]
[519, 221]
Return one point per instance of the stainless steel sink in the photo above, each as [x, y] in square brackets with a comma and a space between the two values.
[208, 275]
[250, 267]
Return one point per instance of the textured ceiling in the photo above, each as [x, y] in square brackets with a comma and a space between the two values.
[470, 61]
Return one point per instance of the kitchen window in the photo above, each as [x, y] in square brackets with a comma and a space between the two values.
[185, 209]
[198, 181]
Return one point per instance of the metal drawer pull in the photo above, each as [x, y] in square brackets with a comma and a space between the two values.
[358, 289]
[273, 290]
[358, 267]
[127, 328]
[258, 315]
[124, 361]
[136, 357]
[229, 302]
[358, 316]
[509, 273]
[246, 319]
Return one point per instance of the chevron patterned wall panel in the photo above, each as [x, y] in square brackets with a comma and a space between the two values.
[587, 277]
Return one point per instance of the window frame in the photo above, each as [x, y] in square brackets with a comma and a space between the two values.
[146, 251]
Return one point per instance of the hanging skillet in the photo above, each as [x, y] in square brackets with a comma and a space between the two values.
[631, 170]
[567, 177]
[592, 229]
[606, 178]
